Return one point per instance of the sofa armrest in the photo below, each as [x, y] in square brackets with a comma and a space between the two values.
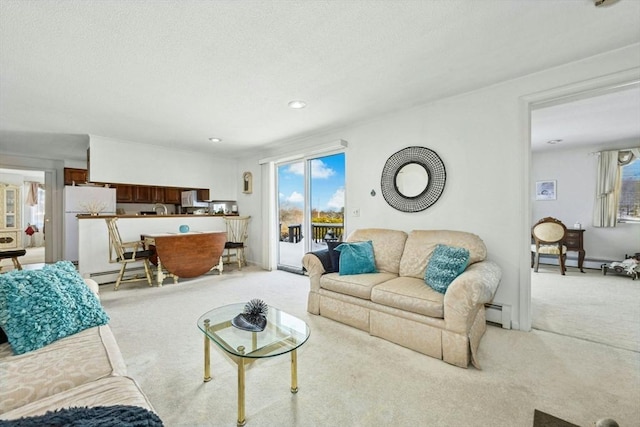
[314, 268]
[93, 285]
[475, 287]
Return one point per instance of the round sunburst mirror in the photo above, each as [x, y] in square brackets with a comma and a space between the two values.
[413, 179]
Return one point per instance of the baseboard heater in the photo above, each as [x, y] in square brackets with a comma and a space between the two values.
[103, 277]
[499, 314]
[572, 261]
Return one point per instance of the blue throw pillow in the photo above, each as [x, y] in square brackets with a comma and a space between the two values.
[445, 265]
[38, 307]
[356, 258]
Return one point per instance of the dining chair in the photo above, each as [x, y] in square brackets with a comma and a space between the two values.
[127, 253]
[237, 227]
[548, 235]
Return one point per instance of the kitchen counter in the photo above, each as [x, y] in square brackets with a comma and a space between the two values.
[83, 216]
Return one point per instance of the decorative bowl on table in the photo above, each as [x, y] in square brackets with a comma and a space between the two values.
[253, 318]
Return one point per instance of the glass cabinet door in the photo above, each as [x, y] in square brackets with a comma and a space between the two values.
[10, 208]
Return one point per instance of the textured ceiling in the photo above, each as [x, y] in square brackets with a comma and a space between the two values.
[610, 117]
[178, 72]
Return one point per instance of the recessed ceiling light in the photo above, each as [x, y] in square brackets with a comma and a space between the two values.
[297, 104]
[554, 141]
[213, 139]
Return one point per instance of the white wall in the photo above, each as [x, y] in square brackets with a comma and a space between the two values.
[127, 162]
[482, 139]
[251, 205]
[575, 171]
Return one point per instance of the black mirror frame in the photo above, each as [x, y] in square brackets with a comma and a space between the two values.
[436, 172]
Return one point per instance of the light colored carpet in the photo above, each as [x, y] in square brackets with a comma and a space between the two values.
[34, 257]
[591, 306]
[348, 378]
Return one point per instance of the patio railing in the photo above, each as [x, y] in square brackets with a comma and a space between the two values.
[321, 232]
[326, 231]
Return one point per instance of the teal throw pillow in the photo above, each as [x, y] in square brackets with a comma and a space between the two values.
[446, 263]
[38, 307]
[356, 258]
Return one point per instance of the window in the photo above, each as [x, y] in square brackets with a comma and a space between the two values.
[629, 203]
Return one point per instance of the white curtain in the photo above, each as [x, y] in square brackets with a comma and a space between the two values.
[608, 185]
[32, 194]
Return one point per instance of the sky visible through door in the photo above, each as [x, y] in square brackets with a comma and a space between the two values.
[326, 201]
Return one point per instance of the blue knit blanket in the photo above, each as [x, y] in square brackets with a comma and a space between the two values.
[98, 416]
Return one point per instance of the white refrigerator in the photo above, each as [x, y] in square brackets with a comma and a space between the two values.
[82, 200]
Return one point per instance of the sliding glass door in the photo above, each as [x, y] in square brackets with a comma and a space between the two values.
[310, 207]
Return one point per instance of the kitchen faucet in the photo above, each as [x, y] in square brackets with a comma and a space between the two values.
[160, 205]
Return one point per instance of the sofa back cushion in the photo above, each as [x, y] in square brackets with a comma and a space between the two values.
[387, 246]
[421, 244]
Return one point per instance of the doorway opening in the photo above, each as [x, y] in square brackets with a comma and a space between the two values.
[310, 206]
[564, 304]
[25, 215]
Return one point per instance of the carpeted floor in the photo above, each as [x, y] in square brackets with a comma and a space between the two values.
[34, 258]
[348, 378]
[591, 306]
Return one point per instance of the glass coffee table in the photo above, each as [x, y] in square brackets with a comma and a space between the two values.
[283, 334]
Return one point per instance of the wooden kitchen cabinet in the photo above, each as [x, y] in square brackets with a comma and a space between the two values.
[129, 193]
[124, 193]
[172, 195]
[72, 175]
[157, 194]
[141, 194]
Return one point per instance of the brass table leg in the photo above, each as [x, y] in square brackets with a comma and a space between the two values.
[207, 354]
[241, 418]
[294, 371]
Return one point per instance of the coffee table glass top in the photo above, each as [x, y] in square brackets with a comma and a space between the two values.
[282, 334]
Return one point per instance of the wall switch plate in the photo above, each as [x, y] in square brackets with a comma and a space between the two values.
[355, 212]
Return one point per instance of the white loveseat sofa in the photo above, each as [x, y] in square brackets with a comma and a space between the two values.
[396, 304]
[83, 370]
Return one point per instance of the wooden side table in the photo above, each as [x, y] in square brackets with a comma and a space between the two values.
[574, 241]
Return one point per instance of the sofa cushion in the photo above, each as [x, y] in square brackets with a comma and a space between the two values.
[446, 263]
[358, 285]
[103, 392]
[387, 246]
[62, 365]
[409, 294]
[38, 307]
[421, 244]
[356, 258]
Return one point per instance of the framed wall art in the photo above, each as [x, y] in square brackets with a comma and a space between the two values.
[546, 190]
[247, 184]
